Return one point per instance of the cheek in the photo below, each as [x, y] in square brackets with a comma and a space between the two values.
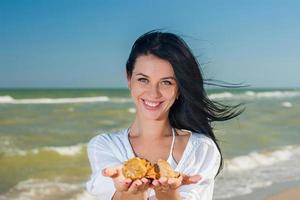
[136, 91]
[170, 93]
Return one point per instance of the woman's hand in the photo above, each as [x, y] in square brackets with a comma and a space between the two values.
[124, 186]
[165, 188]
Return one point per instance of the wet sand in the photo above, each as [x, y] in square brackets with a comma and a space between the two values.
[290, 194]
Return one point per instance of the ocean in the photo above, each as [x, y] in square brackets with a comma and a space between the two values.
[44, 132]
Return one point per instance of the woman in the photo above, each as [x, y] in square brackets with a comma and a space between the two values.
[172, 122]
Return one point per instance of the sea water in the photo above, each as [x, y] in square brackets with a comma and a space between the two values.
[44, 132]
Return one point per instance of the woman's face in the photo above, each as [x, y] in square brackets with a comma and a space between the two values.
[153, 87]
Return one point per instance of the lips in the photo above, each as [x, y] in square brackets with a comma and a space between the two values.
[152, 105]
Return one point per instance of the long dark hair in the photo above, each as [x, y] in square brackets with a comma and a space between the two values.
[193, 110]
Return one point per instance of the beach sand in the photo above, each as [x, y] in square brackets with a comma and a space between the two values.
[279, 191]
[290, 194]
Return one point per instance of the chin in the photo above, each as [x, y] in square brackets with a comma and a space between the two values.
[154, 116]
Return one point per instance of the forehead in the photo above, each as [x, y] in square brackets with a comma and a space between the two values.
[153, 66]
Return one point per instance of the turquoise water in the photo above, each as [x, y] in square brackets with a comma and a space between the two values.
[43, 136]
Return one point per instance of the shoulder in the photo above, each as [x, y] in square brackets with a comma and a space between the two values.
[197, 139]
[201, 139]
[203, 147]
[202, 142]
[106, 139]
[199, 145]
[203, 156]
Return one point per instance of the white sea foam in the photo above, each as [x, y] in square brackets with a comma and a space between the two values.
[254, 95]
[255, 159]
[4, 99]
[85, 196]
[120, 100]
[66, 150]
[223, 95]
[33, 189]
[132, 110]
[287, 104]
[277, 94]
[62, 150]
[272, 94]
[10, 100]
[238, 190]
[250, 93]
[243, 174]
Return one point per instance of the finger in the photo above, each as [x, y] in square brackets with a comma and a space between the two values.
[163, 181]
[174, 182]
[155, 183]
[195, 178]
[145, 184]
[127, 181]
[126, 184]
[145, 181]
[190, 179]
[122, 185]
[110, 172]
[135, 186]
[164, 186]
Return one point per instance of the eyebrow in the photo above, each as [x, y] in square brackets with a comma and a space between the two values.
[168, 77]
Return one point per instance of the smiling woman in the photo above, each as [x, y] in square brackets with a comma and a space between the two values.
[172, 122]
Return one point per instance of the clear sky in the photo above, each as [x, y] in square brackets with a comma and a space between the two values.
[85, 43]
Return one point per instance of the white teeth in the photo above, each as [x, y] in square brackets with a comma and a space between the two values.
[151, 103]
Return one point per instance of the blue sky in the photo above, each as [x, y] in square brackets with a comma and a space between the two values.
[72, 43]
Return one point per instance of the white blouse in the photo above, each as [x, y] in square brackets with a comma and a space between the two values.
[200, 157]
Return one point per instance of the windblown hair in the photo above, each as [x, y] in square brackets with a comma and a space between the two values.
[193, 110]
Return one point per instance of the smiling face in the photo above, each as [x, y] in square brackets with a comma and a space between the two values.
[153, 87]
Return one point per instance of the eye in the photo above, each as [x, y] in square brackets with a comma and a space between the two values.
[143, 80]
[167, 83]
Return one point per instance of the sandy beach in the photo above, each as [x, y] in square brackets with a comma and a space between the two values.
[291, 194]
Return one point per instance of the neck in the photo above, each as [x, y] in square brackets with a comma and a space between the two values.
[150, 128]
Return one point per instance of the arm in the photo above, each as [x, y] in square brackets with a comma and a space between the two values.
[100, 156]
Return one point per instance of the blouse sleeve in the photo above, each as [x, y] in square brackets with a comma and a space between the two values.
[101, 156]
[204, 161]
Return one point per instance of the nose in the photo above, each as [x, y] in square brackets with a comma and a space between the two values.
[154, 91]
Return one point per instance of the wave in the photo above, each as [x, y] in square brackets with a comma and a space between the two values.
[287, 104]
[34, 189]
[11, 100]
[223, 95]
[132, 110]
[241, 175]
[256, 159]
[73, 150]
[254, 95]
